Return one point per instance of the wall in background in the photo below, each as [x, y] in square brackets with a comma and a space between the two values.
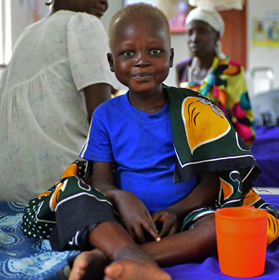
[262, 52]
[25, 12]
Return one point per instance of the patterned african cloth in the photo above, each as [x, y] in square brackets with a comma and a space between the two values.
[226, 87]
[68, 212]
[204, 141]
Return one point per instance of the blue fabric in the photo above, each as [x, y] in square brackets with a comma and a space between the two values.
[141, 145]
[27, 258]
[266, 152]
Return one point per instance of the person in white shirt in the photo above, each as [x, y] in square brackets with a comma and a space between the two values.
[57, 76]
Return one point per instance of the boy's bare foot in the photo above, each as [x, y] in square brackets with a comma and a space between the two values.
[136, 269]
[89, 265]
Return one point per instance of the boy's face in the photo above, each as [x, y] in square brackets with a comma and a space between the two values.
[141, 55]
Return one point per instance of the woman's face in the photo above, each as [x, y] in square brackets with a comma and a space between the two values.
[93, 7]
[201, 38]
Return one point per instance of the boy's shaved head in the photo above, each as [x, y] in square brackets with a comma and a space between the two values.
[135, 10]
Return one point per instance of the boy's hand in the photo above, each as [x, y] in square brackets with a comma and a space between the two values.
[132, 212]
[168, 220]
[135, 217]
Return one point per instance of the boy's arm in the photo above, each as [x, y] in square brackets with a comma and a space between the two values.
[132, 212]
[203, 194]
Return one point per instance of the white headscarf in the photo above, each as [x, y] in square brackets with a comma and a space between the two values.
[212, 18]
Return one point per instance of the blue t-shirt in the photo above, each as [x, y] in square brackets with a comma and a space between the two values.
[141, 147]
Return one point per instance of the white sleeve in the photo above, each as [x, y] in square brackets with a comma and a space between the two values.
[87, 51]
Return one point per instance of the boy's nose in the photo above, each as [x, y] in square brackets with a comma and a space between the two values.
[142, 60]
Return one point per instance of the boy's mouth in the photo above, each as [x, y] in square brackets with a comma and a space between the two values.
[142, 76]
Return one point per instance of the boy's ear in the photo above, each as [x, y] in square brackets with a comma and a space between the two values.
[110, 60]
[171, 56]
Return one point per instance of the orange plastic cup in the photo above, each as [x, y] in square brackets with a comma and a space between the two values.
[241, 240]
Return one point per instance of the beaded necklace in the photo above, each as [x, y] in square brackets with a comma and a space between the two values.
[192, 67]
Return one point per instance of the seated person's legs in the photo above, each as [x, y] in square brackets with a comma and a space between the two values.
[130, 262]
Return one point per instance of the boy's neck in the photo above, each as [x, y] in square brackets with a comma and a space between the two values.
[145, 102]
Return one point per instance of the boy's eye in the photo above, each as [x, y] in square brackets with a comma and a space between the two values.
[155, 51]
[128, 53]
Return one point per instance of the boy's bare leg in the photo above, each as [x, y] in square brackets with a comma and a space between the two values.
[189, 246]
[192, 245]
[112, 239]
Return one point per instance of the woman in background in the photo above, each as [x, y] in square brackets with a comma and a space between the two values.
[214, 74]
[57, 76]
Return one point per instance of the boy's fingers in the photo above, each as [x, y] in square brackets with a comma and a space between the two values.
[153, 231]
[139, 235]
[165, 230]
[155, 216]
[130, 232]
[150, 218]
[172, 231]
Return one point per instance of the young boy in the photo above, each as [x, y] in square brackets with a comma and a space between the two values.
[137, 142]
